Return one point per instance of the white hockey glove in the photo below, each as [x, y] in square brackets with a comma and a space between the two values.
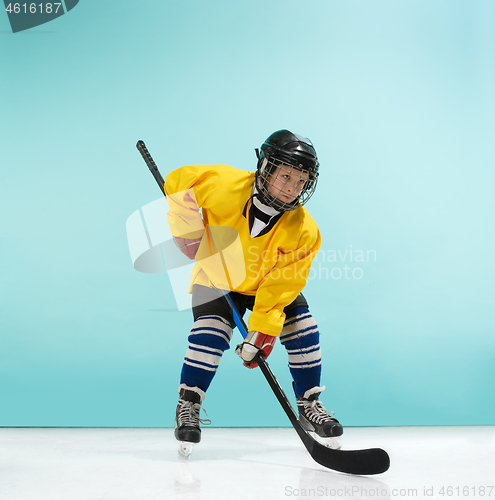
[253, 343]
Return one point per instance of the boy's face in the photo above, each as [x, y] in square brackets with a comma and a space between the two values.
[286, 183]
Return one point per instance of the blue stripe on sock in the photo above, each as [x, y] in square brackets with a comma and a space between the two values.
[202, 363]
[206, 351]
[296, 319]
[209, 340]
[304, 351]
[302, 341]
[302, 364]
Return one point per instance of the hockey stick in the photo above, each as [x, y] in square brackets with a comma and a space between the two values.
[362, 462]
[151, 165]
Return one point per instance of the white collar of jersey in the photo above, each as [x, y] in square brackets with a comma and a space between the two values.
[259, 225]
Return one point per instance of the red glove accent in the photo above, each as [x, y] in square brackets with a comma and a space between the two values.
[253, 343]
[188, 246]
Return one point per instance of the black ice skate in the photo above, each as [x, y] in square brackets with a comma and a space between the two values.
[187, 430]
[314, 418]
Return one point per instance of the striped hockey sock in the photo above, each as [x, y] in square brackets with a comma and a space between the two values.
[301, 338]
[209, 338]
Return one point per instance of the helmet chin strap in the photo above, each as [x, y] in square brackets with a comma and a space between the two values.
[264, 163]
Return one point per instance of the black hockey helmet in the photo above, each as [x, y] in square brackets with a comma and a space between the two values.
[292, 150]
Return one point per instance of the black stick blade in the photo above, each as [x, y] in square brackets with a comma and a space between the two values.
[360, 462]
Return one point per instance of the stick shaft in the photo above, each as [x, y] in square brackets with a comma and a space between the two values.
[151, 164]
[267, 372]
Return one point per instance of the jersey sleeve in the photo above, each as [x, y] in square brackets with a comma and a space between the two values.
[285, 281]
[189, 188]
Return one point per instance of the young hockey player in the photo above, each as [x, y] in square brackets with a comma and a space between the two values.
[279, 240]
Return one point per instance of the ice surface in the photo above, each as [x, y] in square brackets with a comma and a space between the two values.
[124, 464]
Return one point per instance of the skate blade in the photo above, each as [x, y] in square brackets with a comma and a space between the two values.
[185, 448]
[330, 442]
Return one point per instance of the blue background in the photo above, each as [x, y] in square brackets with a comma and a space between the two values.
[398, 98]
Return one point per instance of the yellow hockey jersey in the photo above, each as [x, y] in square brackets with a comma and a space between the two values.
[274, 267]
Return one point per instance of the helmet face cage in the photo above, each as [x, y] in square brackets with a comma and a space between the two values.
[285, 184]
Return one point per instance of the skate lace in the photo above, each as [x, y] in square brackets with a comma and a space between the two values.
[316, 411]
[189, 413]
